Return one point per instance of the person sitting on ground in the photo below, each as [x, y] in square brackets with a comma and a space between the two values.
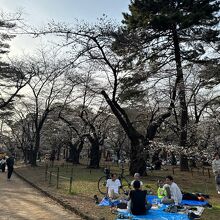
[163, 190]
[175, 193]
[113, 186]
[137, 204]
[137, 177]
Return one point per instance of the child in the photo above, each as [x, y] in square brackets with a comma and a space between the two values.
[161, 191]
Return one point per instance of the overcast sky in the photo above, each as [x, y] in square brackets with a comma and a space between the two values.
[39, 12]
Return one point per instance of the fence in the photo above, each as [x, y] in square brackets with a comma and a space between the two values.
[54, 171]
[204, 170]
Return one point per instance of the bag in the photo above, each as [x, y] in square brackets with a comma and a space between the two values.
[171, 209]
[217, 180]
[122, 205]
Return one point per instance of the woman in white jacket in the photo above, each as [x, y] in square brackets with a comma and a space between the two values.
[216, 171]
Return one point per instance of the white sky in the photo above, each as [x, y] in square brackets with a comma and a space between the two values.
[40, 12]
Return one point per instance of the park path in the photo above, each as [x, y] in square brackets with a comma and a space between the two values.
[18, 200]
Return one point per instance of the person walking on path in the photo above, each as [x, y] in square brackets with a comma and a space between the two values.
[10, 165]
[216, 171]
[3, 164]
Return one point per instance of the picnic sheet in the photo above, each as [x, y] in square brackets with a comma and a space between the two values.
[107, 202]
[151, 198]
[152, 214]
[159, 214]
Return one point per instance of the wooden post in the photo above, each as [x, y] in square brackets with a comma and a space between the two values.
[58, 176]
[66, 167]
[50, 177]
[46, 169]
[173, 170]
[71, 172]
[71, 181]
[209, 173]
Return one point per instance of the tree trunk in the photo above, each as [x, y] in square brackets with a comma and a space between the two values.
[94, 154]
[181, 86]
[184, 166]
[58, 152]
[137, 160]
[75, 150]
[25, 155]
[34, 158]
[36, 149]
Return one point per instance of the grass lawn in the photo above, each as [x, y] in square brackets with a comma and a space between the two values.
[85, 183]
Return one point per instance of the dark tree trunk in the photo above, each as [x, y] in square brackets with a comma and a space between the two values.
[137, 160]
[181, 87]
[58, 153]
[25, 155]
[118, 153]
[184, 166]
[34, 158]
[94, 154]
[75, 150]
[64, 153]
[35, 149]
[182, 98]
[30, 154]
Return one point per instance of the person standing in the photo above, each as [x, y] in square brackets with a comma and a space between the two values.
[3, 164]
[216, 171]
[10, 165]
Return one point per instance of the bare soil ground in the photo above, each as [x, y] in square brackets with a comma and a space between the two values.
[21, 201]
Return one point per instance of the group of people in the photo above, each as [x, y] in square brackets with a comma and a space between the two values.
[168, 191]
[137, 204]
[9, 162]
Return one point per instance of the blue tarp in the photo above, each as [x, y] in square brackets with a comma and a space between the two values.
[150, 198]
[107, 202]
[155, 214]
[158, 214]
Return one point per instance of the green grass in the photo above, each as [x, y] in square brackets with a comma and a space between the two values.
[85, 183]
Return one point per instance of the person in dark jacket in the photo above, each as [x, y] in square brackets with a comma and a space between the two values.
[138, 200]
[10, 165]
[3, 164]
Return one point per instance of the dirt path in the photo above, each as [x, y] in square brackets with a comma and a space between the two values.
[20, 201]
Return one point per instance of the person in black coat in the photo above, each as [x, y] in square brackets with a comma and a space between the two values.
[3, 164]
[138, 200]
